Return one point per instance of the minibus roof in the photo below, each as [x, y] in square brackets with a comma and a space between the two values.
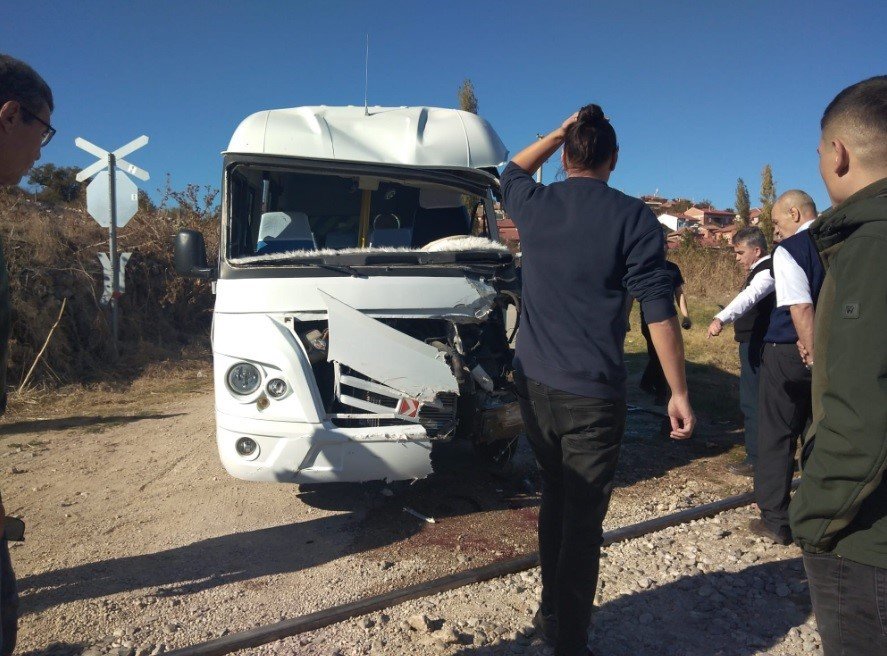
[428, 137]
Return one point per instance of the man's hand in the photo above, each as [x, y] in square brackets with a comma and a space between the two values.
[806, 356]
[715, 327]
[683, 421]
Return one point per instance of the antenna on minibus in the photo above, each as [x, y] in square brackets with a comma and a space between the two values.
[366, 79]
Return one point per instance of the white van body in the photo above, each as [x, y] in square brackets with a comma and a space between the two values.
[360, 305]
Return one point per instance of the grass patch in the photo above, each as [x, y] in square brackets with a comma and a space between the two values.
[712, 364]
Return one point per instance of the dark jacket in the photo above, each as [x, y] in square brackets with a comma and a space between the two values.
[841, 505]
[5, 324]
[803, 251]
[584, 244]
[752, 326]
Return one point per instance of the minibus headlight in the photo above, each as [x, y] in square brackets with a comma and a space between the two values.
[247, 447]
[276, 388]
[244, 378]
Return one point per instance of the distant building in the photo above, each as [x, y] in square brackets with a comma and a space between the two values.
[713, 217]
[654, 202]
[671, 221]
[686, 221]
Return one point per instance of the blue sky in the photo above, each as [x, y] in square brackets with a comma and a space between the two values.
[700, 93]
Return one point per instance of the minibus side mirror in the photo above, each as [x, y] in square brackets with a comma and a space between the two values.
[189, 255]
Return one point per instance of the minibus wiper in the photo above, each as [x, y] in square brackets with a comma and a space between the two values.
[342, 268]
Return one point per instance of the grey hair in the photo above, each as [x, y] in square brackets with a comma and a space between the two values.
[797, 198]
[751, 236]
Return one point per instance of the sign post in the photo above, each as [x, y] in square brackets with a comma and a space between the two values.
[112, 209]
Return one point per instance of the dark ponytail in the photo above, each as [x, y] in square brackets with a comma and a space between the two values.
[591, 140]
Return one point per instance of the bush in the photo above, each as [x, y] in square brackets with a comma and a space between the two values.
[710, 273]
[51, 254]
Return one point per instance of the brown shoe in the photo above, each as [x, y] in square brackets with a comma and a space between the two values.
[758, 527]
[743, 468]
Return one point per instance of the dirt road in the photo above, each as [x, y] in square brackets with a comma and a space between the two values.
[139, 541]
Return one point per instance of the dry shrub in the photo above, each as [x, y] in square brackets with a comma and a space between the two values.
[51, 254]
[711, 274]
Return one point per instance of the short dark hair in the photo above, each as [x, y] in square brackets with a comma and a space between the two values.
[591, 140]
[751, 236]
[866, 100]
[863, 108]
[21, 83]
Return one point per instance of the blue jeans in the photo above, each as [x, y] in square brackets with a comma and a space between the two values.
[749, 365]
[850, 605]
[8, 602]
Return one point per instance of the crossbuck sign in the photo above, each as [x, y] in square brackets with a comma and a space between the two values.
[112, 200]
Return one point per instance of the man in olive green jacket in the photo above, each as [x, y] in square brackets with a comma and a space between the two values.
[25, 105]
[839, 514]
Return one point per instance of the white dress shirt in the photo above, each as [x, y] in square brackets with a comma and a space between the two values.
[792, 286]
[761, 285]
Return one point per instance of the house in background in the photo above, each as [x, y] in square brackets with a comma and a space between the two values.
[671, 221]
[654, 202]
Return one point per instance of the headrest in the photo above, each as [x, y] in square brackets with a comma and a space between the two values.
[434, 198]
[285, 226]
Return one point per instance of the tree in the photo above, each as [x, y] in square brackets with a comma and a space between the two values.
[768, 198]
[680, 205]
[145, 202]
[743, 205]
[191, 203]
[467, 99]
[59, 183]
[704, 204]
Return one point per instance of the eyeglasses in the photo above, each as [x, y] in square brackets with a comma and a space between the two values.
[48, 133]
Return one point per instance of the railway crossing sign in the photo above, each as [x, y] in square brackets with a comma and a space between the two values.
[112, 199]
[118, 154]
[109, 292]
[98, 198]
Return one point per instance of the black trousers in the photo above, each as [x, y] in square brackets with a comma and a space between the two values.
[850, 605]
[749, 368]
[653, 379]
[576, 441]
[8, 602]
[784, 412]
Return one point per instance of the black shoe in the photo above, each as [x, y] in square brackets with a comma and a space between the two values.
[758, 527]
[546, 626]
[743, 468]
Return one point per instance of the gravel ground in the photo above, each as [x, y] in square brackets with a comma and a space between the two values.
[138, 543]
[705, 588]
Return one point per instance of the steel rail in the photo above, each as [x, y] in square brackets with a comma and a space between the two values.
[287, 628]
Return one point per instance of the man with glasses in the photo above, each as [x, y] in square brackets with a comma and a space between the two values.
[25, 106]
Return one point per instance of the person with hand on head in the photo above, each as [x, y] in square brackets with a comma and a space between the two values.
[25, 107]
[585, 247]
[749, 313]
[784, 379]
[839, 513]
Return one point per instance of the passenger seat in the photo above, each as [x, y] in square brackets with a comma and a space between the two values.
[280, 232]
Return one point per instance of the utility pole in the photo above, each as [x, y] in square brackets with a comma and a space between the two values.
[539, 172]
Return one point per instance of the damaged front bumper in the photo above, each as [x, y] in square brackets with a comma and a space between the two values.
[363, 400]
[323, 453]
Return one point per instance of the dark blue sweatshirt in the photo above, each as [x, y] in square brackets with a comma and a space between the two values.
[584, 247]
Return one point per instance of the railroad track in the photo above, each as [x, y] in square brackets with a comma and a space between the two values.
[313, 621]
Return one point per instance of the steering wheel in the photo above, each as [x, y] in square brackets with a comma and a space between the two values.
[386, 221]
